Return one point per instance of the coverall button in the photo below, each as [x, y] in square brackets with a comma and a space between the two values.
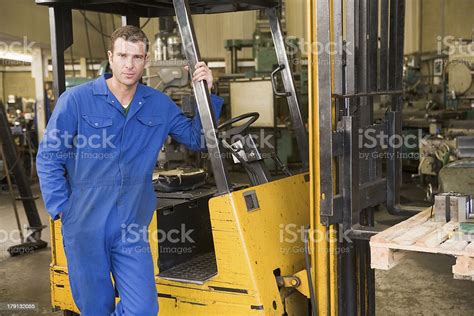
[96, 124]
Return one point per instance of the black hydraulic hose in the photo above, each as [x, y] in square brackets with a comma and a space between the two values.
[146, 22]
[350, 281]
[314, 309]
[253, 176]
[93, 26]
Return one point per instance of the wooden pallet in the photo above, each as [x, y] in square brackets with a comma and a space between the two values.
[420, 233]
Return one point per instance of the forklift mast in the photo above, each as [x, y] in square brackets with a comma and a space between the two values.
[361, 59]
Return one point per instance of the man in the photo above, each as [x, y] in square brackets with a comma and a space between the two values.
[95, 165]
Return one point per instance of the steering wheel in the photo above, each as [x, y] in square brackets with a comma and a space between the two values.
[251, 116]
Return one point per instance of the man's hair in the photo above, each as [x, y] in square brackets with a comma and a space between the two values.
[129, 33]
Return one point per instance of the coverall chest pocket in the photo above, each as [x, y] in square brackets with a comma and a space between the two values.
[151, 130]
[96, 133]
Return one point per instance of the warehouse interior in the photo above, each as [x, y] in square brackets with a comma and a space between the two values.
[342, 178]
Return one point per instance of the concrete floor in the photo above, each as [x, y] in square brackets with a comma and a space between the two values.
[421, 285]
[24, 279]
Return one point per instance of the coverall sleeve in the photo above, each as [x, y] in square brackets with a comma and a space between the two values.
[189, 131]
[54, 150]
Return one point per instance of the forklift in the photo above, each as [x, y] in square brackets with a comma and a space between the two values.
[296, 245]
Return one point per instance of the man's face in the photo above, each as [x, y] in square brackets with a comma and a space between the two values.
[128, 61]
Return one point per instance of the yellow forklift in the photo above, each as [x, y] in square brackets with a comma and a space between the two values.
[296, 245]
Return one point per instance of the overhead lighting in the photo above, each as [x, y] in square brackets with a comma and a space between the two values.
[16, 56]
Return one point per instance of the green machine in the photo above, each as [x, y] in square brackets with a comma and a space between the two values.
[266, 68]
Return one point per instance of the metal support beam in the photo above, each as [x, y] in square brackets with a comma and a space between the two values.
[60, 25]
[288, 83]
[350, 68]
[365, 116]
[206, 113]
[324, 100]
[384, 22]
[83, 67]
[400, 52]
[394, 117]
[372, 45]
[350, 173]
[338, 49]
[394, 165]
[131, 19]
[38, 71]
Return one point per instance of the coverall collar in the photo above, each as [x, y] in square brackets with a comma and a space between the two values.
[99, 87]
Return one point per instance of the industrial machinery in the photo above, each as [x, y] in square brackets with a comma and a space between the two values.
[263, 51]
[458, 175]
[290, 246]
[437, 109]
[447, 117]
[448, 150]
[165, 72]
[460, 71]
[21, 118]
[14, 172]
[243, 87]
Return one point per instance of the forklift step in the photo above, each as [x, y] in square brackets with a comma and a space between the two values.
[196, 271]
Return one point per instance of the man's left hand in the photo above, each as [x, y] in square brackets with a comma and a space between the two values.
[202, 72]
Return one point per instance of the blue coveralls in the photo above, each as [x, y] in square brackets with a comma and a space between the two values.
[95, 165]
